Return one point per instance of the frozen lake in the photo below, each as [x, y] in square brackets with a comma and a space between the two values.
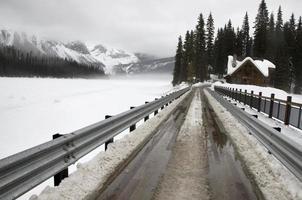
[33, 109]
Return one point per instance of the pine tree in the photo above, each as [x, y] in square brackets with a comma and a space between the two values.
[298, 58]
[178, 62]
[281, 59]
[186, 57]
[290, 40]
[200, 44]
[260, 33]
[245, 36]
[239, 43]
[210, 40]
[219, 55]
[271, 40]
[229, 39]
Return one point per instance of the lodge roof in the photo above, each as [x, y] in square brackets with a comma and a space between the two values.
[262, 65]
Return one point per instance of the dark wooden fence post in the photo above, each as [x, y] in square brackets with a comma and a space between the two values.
[245, 93]
[233, 93]
[240, 95]
[62, 174]
[251, 100]
[288, 109]
[271, 106]
[259, 101]
[133, 126]
[111, 139]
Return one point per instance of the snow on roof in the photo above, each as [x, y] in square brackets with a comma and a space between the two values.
[262, 65]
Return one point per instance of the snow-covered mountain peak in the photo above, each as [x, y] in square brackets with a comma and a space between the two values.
[78, 46]
[100, 48]
[112, 57]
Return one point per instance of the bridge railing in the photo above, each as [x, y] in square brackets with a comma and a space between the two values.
[284, 110]
[23, 171]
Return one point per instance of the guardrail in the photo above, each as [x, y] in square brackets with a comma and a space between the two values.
[22, 171]
[285, 150]
[287, 111]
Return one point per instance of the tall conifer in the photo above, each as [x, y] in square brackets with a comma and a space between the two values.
[210, 40]
[260, 33]
[178, 62]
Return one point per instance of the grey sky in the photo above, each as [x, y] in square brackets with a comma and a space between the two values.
[136, 25]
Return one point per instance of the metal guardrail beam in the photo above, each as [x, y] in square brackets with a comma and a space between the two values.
[285, 150]
[22, 171]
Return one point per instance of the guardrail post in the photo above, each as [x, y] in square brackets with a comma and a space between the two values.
[110, 140]
[277, 128]
[259, 101]
[288, 109]
[245, 93]
[62, 174]
[271, 106]
[236, 94]
[156, 111]
[251, 100]
[133, 126]
[147, 117]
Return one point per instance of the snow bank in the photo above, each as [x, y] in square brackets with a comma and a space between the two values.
[180, 86]
[290, 132]
[272, 178]
[90, 177]
[266, 91]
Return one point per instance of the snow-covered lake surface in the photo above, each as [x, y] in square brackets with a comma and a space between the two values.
[33, 109]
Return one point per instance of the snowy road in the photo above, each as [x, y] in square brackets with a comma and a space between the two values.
[185, 159]
[141, 176]
[186, 174]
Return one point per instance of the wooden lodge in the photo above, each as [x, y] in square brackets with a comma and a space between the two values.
[250, 71]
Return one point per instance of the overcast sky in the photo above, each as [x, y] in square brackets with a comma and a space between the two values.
[136, 25]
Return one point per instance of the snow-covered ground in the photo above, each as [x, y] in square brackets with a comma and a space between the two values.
[266, 91]
[272, 178]
[97, 171]
[33, 109]
[291, 132]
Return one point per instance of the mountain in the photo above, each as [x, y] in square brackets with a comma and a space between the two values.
[162, 65]
[111, 57]
[111, 60]
[75, 51]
